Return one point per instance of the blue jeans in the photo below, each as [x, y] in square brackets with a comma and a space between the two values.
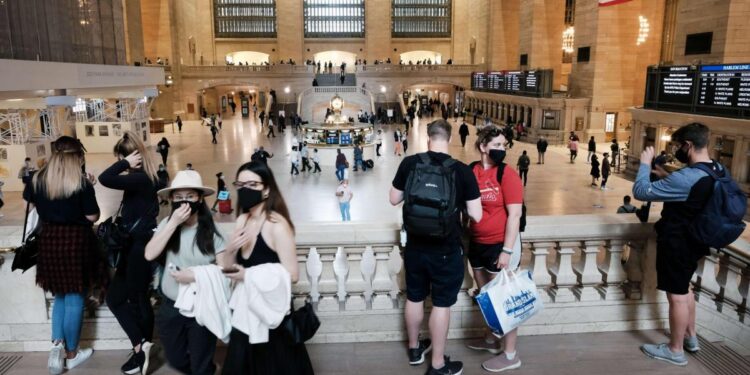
[345, 216]
[67, 318]
[340, 173]
[358, 162]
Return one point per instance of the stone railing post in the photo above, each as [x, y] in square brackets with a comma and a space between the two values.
[341, 270]
[706, 280]
[302, 289]
[314, 269]
[381, 283]
[562, 273]
[745, 292]
[539, 270]
[396, 274]
[728, 278]
[589, 278]
[328, 284]
[368, 272]
[634, 270]
[612, 271]
[355, 281]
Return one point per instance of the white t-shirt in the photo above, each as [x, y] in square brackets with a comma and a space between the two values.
[315, 157]
[295, 157]
[188, 256]
[347, 196]
[379, 139]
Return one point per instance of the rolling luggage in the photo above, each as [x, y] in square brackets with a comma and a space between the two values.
[225, 206]
[370, 163]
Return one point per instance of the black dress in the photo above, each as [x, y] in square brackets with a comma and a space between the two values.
[277, 356]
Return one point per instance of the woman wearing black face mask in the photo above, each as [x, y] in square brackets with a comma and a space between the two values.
[136, 174]
[187, 238]
[495, 240]
[264, 234]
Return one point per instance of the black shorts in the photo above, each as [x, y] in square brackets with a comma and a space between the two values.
[676, 263]
[441, 273]
[485, 257]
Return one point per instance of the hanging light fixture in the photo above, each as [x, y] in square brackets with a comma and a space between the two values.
[568, 37]
[642, 30]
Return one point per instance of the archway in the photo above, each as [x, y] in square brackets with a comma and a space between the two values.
[336, 58]
[246, 58]
[414, 56]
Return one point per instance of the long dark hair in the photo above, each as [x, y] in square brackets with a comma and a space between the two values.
[275, 201]
[204, 237]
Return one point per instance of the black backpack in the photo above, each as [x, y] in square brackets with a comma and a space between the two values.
[720, 223]
[500, 171]
[430, 199]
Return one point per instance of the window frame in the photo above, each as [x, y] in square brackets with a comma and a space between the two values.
[223, 10]
[398, 21]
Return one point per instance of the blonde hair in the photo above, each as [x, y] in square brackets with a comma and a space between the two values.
[62, 176]
[130, 143]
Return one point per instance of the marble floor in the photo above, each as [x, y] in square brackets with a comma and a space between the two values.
[611, 353]
[554, 188]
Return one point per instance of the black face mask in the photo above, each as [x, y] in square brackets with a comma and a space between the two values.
[194, 206]
[681, 155]
[248, 198]
[497, 156]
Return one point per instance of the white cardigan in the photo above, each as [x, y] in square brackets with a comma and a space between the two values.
[206, 300]
[262, 301]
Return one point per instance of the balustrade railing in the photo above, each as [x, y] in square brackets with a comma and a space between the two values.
[279, 68]
[417, 68]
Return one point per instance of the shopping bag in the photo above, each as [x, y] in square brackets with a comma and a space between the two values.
[509, 300]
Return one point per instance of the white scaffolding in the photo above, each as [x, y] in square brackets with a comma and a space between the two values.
[20, 126]
[124, 109]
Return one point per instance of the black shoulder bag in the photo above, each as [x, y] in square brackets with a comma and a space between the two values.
[301, 324]
[27, 253]
[115, 238]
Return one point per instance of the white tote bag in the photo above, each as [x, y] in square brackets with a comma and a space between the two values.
[509, 300]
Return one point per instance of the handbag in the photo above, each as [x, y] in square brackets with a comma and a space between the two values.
[26, 254]
[508, 301]
[301, 324]
[115, 238]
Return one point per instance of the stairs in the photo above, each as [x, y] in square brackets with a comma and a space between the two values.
[335, 79]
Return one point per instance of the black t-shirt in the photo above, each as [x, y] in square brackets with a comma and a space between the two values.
[139, 194]
[467, 189]
[71, 210]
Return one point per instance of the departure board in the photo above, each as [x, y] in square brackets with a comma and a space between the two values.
[519, 82]
[724, 86]
[715, 90]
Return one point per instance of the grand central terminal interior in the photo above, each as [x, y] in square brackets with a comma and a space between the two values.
[292, 130]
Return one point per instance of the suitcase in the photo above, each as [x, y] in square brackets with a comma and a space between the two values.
[370, 163]
[225, 207]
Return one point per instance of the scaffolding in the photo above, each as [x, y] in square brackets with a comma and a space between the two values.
[119, 110]
[20, 126]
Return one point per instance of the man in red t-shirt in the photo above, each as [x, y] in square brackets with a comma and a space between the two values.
[494, 238]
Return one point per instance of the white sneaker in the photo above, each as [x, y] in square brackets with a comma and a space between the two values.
[81, 356]
[146, 347]
[56, 357]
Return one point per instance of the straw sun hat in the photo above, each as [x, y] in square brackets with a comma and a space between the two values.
[186, 179]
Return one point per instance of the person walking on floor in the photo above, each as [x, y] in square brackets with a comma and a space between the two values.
[523, 166]
[305, 158]
[541, 148]
[221, 185]
[219, 120]
[615, 148]
[214, 130]
[605, 170]
[264, 235]
[163, 148]
[405, 140]
[128, 297]
[316, 161]
[341, 165]
[358, 158]
[573, 147]
[434, 263]
[592, 149]
[294, 157]
[594, 170]
[270, 129]
[378, 142]
[179, 124]
[495, 239]
[68, 261]
[187, 238]
[463, 132]
[397, 142]
[27, 171]
[345, 195]
[163, 180]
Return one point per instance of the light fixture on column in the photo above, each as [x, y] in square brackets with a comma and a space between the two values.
[667, 136]
[568, 37]
[642, 30]
[286, 90]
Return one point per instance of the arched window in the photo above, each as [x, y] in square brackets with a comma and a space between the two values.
[334, 18]
[421, 18]
[245, 18]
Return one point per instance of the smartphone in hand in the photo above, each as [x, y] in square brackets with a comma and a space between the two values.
[229, 270]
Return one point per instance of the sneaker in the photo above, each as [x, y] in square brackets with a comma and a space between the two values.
[416, 356]
[81, 356]
[501, 363]
[482, 344]
[146, 347]
[690, 344]
[135, 363]
[663, 353]
[449, 368]
[56, 357]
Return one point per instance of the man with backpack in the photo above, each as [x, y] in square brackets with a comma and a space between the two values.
[703, 208]
[435, 190]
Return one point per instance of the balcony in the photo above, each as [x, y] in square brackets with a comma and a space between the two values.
[261, 71]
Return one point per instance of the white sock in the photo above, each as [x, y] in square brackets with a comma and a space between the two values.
[510, 356]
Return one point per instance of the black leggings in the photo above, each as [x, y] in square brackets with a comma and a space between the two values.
[128, 293]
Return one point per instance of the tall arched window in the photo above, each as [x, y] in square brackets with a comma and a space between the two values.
[421, 19]
[334, 18]
[245, 18]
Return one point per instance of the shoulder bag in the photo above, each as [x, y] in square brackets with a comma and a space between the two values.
[301, 324]
[26, 254]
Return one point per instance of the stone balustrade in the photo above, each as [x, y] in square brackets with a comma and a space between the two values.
[594, 273]
[418, 68]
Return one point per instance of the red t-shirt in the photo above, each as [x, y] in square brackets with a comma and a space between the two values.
[491, 229]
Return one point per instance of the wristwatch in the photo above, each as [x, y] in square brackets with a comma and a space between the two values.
[507, 250]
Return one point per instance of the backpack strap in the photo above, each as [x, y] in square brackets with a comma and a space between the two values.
[500, 171]
[709, 170]
[424, 158]
[448, 162]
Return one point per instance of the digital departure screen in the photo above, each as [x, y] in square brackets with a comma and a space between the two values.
[724, 86]
[519, 82]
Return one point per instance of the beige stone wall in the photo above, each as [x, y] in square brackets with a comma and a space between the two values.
[503, 36]
[133, 30]
[540, 36]
[737, 48]
[698, 16]
[156, 32]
